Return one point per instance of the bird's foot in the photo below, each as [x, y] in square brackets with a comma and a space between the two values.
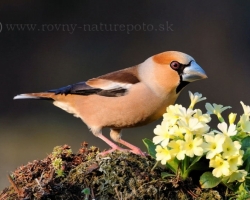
[104, 153]
[133, 149]
[114, 147]
[138, 151]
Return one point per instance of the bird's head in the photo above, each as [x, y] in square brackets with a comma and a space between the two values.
[171, 70]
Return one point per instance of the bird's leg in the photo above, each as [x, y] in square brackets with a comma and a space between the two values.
[113, 146]
[115, 134]
[134, 149]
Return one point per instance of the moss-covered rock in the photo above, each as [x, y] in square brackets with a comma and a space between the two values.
[86, 175]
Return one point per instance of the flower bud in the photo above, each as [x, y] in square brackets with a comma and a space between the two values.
[232, 117]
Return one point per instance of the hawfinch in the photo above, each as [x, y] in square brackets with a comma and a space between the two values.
[130, 97]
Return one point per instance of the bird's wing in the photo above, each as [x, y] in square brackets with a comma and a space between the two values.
[111, 85]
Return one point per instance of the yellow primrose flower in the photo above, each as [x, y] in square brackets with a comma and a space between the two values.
[230, 131]
[172, 114]
[213, 144]
[234, 162]
[163, 134]
[162, 154]
[216, 109]
[238, 175]
[195, 98]
[201, 131]
[205, 118]
[232, 117]
[191, 125]
[245, 123]
[186, 114]
[177, 149]
[221, 166]
[193, 146]
[177, 131]
[230, 148]
[238, 146]
[246, 109]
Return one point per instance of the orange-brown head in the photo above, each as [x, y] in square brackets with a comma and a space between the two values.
[170, 71]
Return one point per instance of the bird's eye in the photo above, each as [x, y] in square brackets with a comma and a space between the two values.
[175, 65]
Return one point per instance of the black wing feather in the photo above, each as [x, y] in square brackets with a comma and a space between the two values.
[83, 89]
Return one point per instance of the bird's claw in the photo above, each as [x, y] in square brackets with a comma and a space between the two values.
[138, 152]
[104, 153]
[134, 151]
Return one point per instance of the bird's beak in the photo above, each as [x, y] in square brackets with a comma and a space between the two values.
[193, 73]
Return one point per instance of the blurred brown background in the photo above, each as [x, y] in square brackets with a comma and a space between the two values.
[215, 33]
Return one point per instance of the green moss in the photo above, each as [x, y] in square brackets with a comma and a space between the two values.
[119, 175]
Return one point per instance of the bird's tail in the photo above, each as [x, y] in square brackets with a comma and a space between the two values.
[40, 95]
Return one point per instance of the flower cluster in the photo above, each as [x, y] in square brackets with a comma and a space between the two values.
[185, 134]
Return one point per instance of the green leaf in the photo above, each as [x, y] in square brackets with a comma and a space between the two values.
[231, 185]
[246, 159]
[207, 180]
[245, 143]
[165, 175]
[173, 165]
[150, 146]
[247, 165]
[86, 191]
[198, 166]
[196, 159]
[247, 182]
[246, 154]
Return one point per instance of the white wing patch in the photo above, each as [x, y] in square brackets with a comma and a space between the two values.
[113, 85]
[105, 84]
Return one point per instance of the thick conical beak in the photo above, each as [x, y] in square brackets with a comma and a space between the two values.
[193, 73]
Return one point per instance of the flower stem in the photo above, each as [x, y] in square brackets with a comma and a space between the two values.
[184, 167]
[221, 119]
[154, 166]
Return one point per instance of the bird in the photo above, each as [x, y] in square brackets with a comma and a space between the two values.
[130, 97]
